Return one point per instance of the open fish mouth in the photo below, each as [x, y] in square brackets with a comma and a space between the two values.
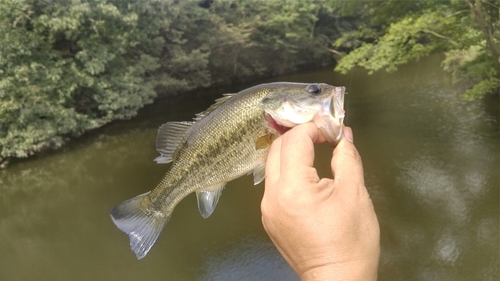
[327, 112]
[330, 119]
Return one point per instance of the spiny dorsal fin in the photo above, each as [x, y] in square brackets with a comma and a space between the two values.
[217, 103]
[170, 135]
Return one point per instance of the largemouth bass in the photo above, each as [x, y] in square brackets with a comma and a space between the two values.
[228, 140]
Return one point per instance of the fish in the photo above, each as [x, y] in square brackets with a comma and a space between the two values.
[230, 139]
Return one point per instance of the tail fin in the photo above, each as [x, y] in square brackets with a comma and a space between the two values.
[142, 225]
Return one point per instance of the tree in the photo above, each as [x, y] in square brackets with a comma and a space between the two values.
[70, 66]
[467, 33]
[259, 38]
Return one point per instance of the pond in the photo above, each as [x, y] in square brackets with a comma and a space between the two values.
[431, 167]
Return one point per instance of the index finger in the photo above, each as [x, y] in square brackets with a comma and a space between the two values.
[297, 149]
[291, 149]
[273, 161]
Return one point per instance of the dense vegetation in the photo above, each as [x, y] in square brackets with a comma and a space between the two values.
[395, 32]
[67, 66]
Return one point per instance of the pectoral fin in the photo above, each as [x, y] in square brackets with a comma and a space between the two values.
[208, 198]
[264, 142]
[170, 135]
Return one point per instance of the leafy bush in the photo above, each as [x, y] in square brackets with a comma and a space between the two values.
[70, 66]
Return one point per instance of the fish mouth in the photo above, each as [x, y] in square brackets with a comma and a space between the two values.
[281, 129]
[330, 119]
[327, 113]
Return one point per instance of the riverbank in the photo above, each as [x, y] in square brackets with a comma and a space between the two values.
[167, 99]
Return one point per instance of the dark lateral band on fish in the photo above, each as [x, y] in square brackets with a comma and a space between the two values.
[228, 140]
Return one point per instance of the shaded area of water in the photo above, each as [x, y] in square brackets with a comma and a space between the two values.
[431, 164]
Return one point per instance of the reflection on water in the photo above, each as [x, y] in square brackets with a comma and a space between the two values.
[431, 167]
[435, 189]
[440, 188]
[248, 259]
[445, 250]
[53, 210]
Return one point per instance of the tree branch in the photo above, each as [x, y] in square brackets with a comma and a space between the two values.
[478, 12]
[334, 51]
[440, 36]
[457, 13]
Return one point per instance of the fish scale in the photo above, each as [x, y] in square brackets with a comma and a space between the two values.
[208, 149]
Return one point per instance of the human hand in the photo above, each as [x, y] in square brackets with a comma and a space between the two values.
[326, 229]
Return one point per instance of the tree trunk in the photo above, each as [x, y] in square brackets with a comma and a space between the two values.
[479, 14]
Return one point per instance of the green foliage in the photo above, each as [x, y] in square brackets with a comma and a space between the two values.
[70, 66]
[404, 41]
[474, 66]
[259, 38]
[481, 88]
[468, 34]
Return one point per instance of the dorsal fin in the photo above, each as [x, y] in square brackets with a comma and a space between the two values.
[217, 103]
[168, 139]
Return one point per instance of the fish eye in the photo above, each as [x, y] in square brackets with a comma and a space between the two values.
[313, 89]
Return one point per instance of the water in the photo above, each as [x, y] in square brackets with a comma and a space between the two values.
[431, 165]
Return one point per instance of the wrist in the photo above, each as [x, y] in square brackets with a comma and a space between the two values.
[348, 271]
